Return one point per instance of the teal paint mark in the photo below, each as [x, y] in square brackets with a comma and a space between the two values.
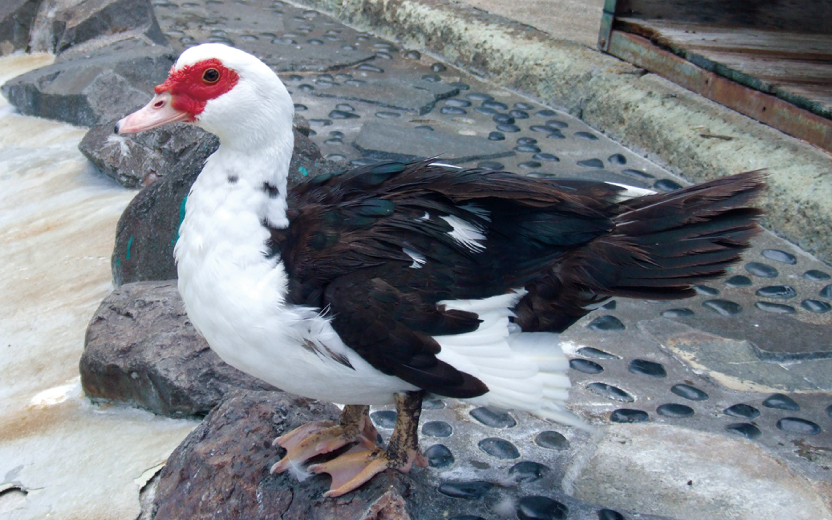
[304, 171]
[129, 245]
[181, 218]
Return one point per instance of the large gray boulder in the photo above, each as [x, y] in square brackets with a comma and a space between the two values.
[16, 20]
[141, 350]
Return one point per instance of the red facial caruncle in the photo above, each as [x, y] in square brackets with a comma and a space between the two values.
[192, 86]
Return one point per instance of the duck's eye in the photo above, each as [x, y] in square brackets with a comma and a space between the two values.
[211, 76]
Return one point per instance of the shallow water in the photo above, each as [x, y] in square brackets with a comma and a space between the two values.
[60, 455]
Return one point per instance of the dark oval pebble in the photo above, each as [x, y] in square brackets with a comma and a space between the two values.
[423, 128]
[413, 55]
[370, 68]
[487, 111]
[546, 157]
[439, 456]
[690, 393]
[553, 440]
[742, 410]
[337, 133]
[530, 164]
[320, 122]
[607, 322]
[460, 103]
[609, 514]
[775, 308]
[545, 113]
[460, 85]
[647, 368]
[518, 114]
[738, 281]
[315, 41]
[781, 402]
[523, 106]
[638, 174]
[387, 115]
[540, 128]
[438, 67]
[490, 103]
[432, 78]
[301, 108]
[493, 418]
[383, 56]
[527, 471]
[816, 306]
[723, 307]
[336, 157]
[779, 256]
[499, 448]
[799, 426]
[341, 114]
[540, 508]
[496, 136]
[617, 158]
[674, 410]
[816, 276]
[433, 404]
[826, 292]
[610, 305]
[781, 292]
[609, 391]
[555, 134]
[526, 148]
[479, 96]
[627, 415]
[437, 429]
[761, 270]
[586, 135]
[508, 128]
[591, 163]
[453, 111]
[490, 165]
[666, 185]
[334, 140]
[595, 353]
[384, 419]
[249, 37]
[468, 490]
[526, 140]
[306, 87]
[829, 411]
[704, 289]
[747, 430]
[586, 366]
[503, 118]
[355, 82]
[677, 313]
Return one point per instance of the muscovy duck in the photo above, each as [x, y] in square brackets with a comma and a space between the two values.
[386, 282]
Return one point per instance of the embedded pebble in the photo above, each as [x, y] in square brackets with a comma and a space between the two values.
[546, 113]
[609, 391]
[775, 308]
[674, 410]
[638, 174]
[384, 419]
[742, 410]
[586, 366]
[826, 292]
[818, 307]
[438, 67]
[523, 106]
[530, 164]
[829, 410]
[587, 136]
[552, 440]
[485, 110]
[343, 114]
[526, 140]
[467, 490]
[526, 148]
[433, 404]
[437, 429]
[610, 305]
[815, 275]
[690, 393]
[499, 448]
[383, 114]
[677, 313]
[555, 134]
[627, 415]
[609, 514]
[723, 307]
[508, 128]
[607, 322]
[496, 105]
[738, 281]
[545, 157]
[527, 471]
[439, 456]
[704, 289]
[591, 163]
[540, 508]
[781, 402]
[490, 165]
[493, 418]
[413, 55]
[518, 114]
[591, 352]
[479, 96]
[779, 256]
[747, 430]
[433, 78]
[452, 111]
[459, 103]
[666, 185]
[617, 158]
[799, 426]
[647, 368]
[781, 292]
[761, 270]
[496, 136]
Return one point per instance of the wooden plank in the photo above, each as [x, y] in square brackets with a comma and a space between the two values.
[793, 15]
[816, 98]
[763, 107]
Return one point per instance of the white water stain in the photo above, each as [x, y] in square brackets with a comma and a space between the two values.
[71, 459]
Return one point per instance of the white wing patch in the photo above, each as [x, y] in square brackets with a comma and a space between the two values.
[465, 233]
[631, 192]
[418, 258]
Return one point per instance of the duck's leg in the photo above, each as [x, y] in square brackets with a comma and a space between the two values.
[320, 437]
[357, 466]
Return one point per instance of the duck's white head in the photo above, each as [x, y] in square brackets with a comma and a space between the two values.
[223, 90]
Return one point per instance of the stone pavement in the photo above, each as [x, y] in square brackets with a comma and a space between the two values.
[716, 406]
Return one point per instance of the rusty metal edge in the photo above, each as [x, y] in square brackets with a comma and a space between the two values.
[763, 107]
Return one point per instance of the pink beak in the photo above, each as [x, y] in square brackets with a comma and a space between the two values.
[158, 112]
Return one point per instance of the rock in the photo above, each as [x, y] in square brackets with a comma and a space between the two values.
[221, 470]
[85, 91]
[148, 228]
[141, 349]
[16, 20]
